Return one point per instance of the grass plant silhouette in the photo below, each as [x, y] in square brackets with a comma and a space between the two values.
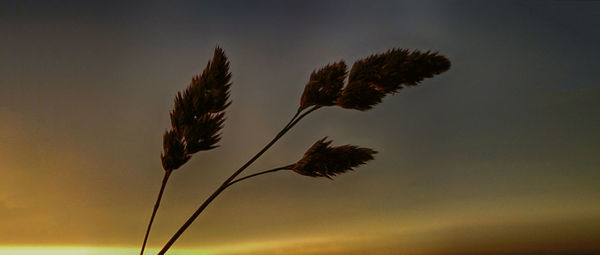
[198, 115]
[196, 120]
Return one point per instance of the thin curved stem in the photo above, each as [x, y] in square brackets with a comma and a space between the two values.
[288, 167]
[293, 118]
[156, 205]
[297, 117]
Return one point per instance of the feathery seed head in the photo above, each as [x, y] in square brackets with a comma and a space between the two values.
[322, 160]
[373, 77]
[198, 113]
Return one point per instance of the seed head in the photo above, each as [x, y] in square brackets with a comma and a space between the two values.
[199, 111]
[373, 77]
[322, 160]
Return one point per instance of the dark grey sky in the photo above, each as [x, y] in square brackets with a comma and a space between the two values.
[507, 137]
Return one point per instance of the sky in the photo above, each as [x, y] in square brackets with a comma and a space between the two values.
[499, 155]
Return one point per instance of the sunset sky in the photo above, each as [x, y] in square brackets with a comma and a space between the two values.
[499, 155]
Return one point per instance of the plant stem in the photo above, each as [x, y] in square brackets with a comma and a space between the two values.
[288, 167]
[156, 205]
[297, 117]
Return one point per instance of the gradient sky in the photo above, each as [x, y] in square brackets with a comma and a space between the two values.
[498, 155]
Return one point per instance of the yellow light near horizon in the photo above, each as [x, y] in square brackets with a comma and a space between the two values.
[247, 248]
[81, 250]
